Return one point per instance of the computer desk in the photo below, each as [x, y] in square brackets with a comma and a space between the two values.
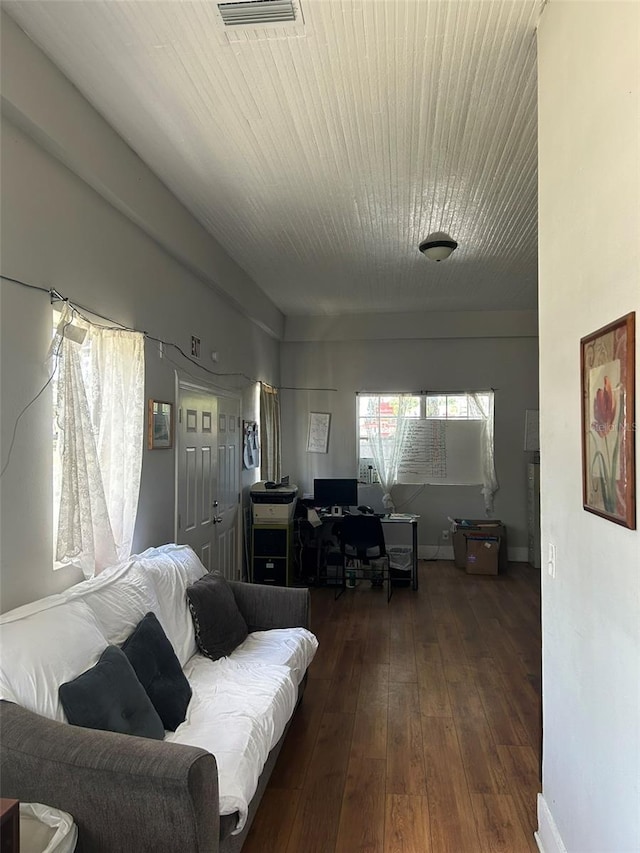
[392, 518]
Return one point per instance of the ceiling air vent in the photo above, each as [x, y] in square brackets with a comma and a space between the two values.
[257, 12]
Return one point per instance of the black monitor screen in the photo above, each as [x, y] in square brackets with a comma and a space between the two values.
[335, 492]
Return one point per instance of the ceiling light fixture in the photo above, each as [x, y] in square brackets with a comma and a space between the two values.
[437, 246]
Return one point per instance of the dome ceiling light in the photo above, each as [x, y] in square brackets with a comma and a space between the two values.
[437, 246]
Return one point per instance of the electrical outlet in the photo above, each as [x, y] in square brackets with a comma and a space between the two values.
[445, 535]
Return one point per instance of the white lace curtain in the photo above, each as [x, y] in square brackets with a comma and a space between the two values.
[386, 447]
[99, 412]
[484, 404]
[270, 463]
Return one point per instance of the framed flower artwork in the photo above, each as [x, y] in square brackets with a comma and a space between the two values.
[607, 361]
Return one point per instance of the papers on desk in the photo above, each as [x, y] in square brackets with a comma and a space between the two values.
[316, 519]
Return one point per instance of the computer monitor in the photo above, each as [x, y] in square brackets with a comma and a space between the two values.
[335, 492]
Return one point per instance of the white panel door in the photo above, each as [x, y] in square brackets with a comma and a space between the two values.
[228, 495]
[208, 478]
[197, 474]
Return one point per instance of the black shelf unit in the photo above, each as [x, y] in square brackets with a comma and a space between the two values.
[272, 554]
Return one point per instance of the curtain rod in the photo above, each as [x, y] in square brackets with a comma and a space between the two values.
[420, 393]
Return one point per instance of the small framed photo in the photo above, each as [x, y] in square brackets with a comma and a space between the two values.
[607, 361]
[160, 425]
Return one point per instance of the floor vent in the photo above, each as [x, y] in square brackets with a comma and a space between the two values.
[257, 12]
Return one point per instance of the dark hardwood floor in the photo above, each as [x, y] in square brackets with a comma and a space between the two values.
[420, 726]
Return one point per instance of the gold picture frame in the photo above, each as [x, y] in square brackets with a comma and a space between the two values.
[607, 364]
[160, 425]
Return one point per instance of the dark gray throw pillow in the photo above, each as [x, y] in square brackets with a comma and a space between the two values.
[219, 625]
[154, 661]
[109, 697]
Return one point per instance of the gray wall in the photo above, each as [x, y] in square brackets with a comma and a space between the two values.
[508, 364]
[85, 216]
[589, 151]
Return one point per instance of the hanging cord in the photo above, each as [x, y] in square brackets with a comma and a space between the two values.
[412, 497]
[295, 388]
[197, 363]
[120, 327]
[40, 392]
[434, 558]
[197, 377]
[117, 326]
[78, 309]
[30, 286]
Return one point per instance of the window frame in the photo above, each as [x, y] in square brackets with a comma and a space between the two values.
[423, 397]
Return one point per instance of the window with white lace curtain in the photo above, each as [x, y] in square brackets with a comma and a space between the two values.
[98, 429]
[427, 438]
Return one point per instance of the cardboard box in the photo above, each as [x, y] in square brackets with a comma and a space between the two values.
[482, 554]
[473, 527]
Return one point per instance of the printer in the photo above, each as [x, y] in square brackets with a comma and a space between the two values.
[273, 503]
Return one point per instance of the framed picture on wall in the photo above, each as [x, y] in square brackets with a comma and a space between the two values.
[160, 425]
[318, 435]
[607, 362]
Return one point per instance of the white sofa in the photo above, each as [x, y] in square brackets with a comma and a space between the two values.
[197, 789]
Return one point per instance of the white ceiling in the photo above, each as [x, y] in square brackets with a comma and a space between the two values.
[320, 154]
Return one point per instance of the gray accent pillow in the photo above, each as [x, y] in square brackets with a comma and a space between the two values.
[219, 625]
[109, 697]
[150, 653]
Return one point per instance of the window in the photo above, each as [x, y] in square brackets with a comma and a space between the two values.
[443, 438]
[97, 439]
[379, 418]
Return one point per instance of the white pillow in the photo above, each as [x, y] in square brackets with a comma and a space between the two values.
[42, 650]
[171, 569]
[119, 597]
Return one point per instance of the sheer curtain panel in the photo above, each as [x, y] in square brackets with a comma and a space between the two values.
[99, 427]
[484, 404]
[386, 439]
[270, 463]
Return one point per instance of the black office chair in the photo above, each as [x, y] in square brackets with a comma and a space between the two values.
[362, 538]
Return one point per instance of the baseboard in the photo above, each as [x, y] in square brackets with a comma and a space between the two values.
[445, 552]
[547, 837]
[435, 552]
[518, 555]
